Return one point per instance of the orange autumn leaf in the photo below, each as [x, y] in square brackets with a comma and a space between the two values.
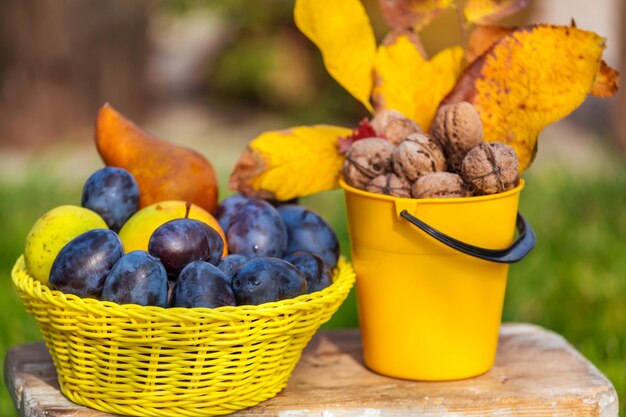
[412, 14]
[341, 30]
[529, 79]
[606, 82]
[482, 38]
[405, 81]
[488, 11]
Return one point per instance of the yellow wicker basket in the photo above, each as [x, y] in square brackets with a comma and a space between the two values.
[151, 361]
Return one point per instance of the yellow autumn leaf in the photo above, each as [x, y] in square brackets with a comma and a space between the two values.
[412, 14]
[406, 82]
[342, 31]
[285, 164]
[529, 79]
[488, 11]
[483, 38]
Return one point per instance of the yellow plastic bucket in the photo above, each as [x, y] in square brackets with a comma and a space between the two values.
[427, 310]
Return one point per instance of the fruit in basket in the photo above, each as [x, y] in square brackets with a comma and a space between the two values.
[491, 167]
[458, 129]
[137, 278]
[83, 264]
[163, 170]
[308, 231]
[262, 280]
[182, 241]
[229, 264]
[51, 232]
[257, 230]
[317, 272]
[440, 185]
[136, 232]
[365, 160]
[228, 208]
[201, 284]
[417, 155]
[113, 194]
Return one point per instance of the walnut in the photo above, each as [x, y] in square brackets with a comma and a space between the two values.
[491, 167]
[365, 160]
[458, 129]
[440, 185]
[416, 156]
[390, 184]
[392, 125]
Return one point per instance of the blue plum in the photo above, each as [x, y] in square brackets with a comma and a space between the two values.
[182, 241]
[201, 284]
[307, 230]
[83, 264]
[113, 194]
[137, 278]
[229, 264]
[257, 230]
[262, 280]
[317, 272]
[228, 209]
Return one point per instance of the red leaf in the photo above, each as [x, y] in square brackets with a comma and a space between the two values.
[363, 131]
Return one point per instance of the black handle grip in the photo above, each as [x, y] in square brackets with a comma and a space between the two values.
[514, 253]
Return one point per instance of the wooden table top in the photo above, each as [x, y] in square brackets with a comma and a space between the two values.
[537, 373]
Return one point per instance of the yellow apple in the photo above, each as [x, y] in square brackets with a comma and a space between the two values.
[51, 232]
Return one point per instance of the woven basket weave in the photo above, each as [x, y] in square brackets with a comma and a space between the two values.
[151, 361]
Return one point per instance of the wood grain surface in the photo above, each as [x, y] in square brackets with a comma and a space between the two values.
[537, 373]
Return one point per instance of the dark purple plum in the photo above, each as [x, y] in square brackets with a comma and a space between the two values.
[257, 230]
[113, 194]
[201, 284]
[84, 262]
[230, 263]
[307, 230]
[317, 272]
[228, 209]
[137, 278]
[262, 280]
[182, 241]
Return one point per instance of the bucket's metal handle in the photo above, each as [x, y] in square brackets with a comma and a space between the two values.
[516, 252]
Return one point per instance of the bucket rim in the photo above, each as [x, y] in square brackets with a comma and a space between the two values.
[456, 200]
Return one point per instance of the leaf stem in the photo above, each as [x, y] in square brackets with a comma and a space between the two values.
[462, 23]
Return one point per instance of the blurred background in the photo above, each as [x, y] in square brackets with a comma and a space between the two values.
[214, 74]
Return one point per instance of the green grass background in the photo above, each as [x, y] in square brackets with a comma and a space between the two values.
[574, 282]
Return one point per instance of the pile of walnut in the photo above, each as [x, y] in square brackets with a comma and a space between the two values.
[451, 162]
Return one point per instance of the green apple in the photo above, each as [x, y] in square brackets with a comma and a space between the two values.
[51, 232]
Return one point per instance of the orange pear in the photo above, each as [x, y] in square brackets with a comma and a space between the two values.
[163, 170]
